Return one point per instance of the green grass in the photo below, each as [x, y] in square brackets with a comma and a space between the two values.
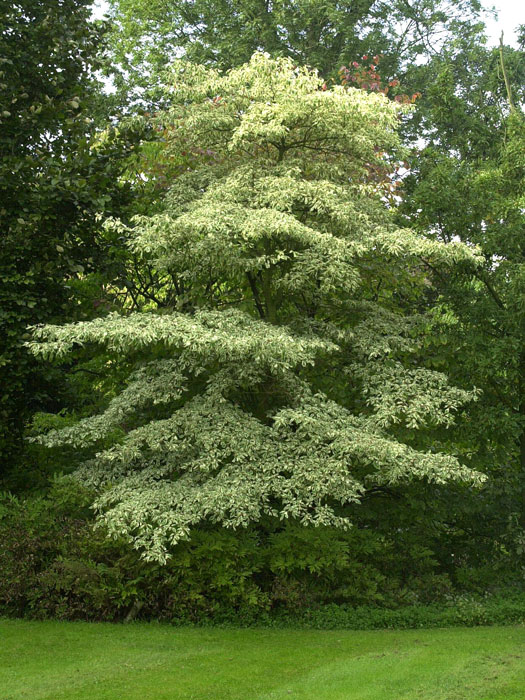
[83, 661]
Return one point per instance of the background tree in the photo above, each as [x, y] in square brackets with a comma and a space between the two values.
[147, 36]
[467, 184]
[54, 180]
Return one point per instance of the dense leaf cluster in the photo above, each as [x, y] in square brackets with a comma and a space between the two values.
[55, 178]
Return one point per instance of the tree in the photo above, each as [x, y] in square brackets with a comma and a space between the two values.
[468, 184]
[147, 36]
[54, 178]
[276, 378]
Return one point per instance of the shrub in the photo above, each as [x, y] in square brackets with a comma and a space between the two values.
[462, 612]
[54, 564]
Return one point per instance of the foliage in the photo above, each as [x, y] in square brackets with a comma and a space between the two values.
[366, 75]
[287, 269]
[463, 611]
[55, 566]
[308, 334]
[55, 177]
[465, 103]
[468, 184]
[147, 37]
[324, 35]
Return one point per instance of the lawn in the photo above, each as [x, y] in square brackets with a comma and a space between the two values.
[82, 661]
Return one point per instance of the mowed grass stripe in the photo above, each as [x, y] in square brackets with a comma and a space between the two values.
[82, 661]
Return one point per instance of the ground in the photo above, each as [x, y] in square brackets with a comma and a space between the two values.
[82, 661]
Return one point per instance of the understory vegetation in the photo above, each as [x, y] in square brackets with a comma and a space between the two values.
[55, 566]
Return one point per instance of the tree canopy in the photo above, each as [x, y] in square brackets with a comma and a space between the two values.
[57, 174]
[287, 271]
[147, 36]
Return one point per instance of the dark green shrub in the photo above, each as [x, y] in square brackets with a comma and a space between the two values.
[461, 612]
[54, 564]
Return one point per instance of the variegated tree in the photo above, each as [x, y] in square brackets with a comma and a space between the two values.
[276, 379]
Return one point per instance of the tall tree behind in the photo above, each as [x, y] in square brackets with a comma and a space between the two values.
[53, 180]
[148, 34]
[468, 183]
